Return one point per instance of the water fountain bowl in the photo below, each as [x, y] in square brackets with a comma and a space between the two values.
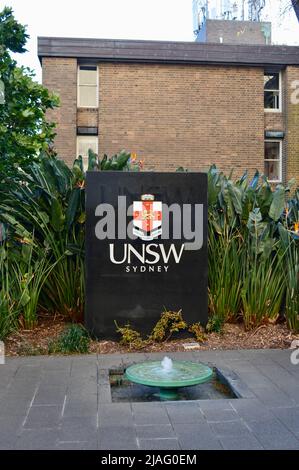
[168, 375]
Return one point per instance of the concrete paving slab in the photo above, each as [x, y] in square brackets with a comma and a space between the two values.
[64, 402]
[158, 444]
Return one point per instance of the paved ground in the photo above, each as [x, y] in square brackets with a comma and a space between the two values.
[65, 403]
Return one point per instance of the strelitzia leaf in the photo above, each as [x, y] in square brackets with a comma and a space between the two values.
[57, 216]
[236, 197]
[82, 218]
[278, 203]
[25, 298]
[255, 180]
[255, 223]
[72, 207]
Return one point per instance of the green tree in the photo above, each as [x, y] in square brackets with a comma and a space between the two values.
[24, 130]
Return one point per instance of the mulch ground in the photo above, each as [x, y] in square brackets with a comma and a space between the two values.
[35, 342]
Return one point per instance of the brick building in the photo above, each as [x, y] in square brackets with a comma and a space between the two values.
[234, 32]
[177, 103]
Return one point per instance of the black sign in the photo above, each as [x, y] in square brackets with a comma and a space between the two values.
[146, 249]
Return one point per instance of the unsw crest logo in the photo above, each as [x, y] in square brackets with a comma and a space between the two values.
[147, 218]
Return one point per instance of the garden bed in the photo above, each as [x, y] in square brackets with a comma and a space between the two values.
[35, 342]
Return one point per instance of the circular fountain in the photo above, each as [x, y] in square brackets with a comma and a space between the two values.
[169, 375]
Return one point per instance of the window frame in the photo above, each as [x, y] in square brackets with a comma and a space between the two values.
[86, 138]
[78, 87]
[273, 159]
[279, 109]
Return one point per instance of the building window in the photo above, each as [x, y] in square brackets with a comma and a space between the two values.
[84, 143]
[87, 86]
[273, 160]
[272, 91]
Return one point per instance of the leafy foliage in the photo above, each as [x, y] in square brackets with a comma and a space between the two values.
[215, 324]
[251, 265]
[23, 272]
[9, 304]
[30, 272]
[253, 249]
[24, 130]
[49, 202]
[122, 161]
[73, 339]
[289, 246]
[263, 287]
[198, 331]
[42, 218]
[12, 34]
[225, 272]
[169, 323]
[130, 337]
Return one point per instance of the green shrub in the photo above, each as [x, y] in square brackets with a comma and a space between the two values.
[198, 331]
[73, 339]
[247, 273]
[225, 272]
[252, 246]
[290, 247]
[6, 319]
[263, 280]
[122, 161]
[129, 337]
[49, 201]
[10, 302]
[30, 272]
[215, 324]
[169, 323]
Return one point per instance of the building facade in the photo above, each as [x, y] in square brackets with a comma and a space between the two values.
[177, 104]
[234, 32]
